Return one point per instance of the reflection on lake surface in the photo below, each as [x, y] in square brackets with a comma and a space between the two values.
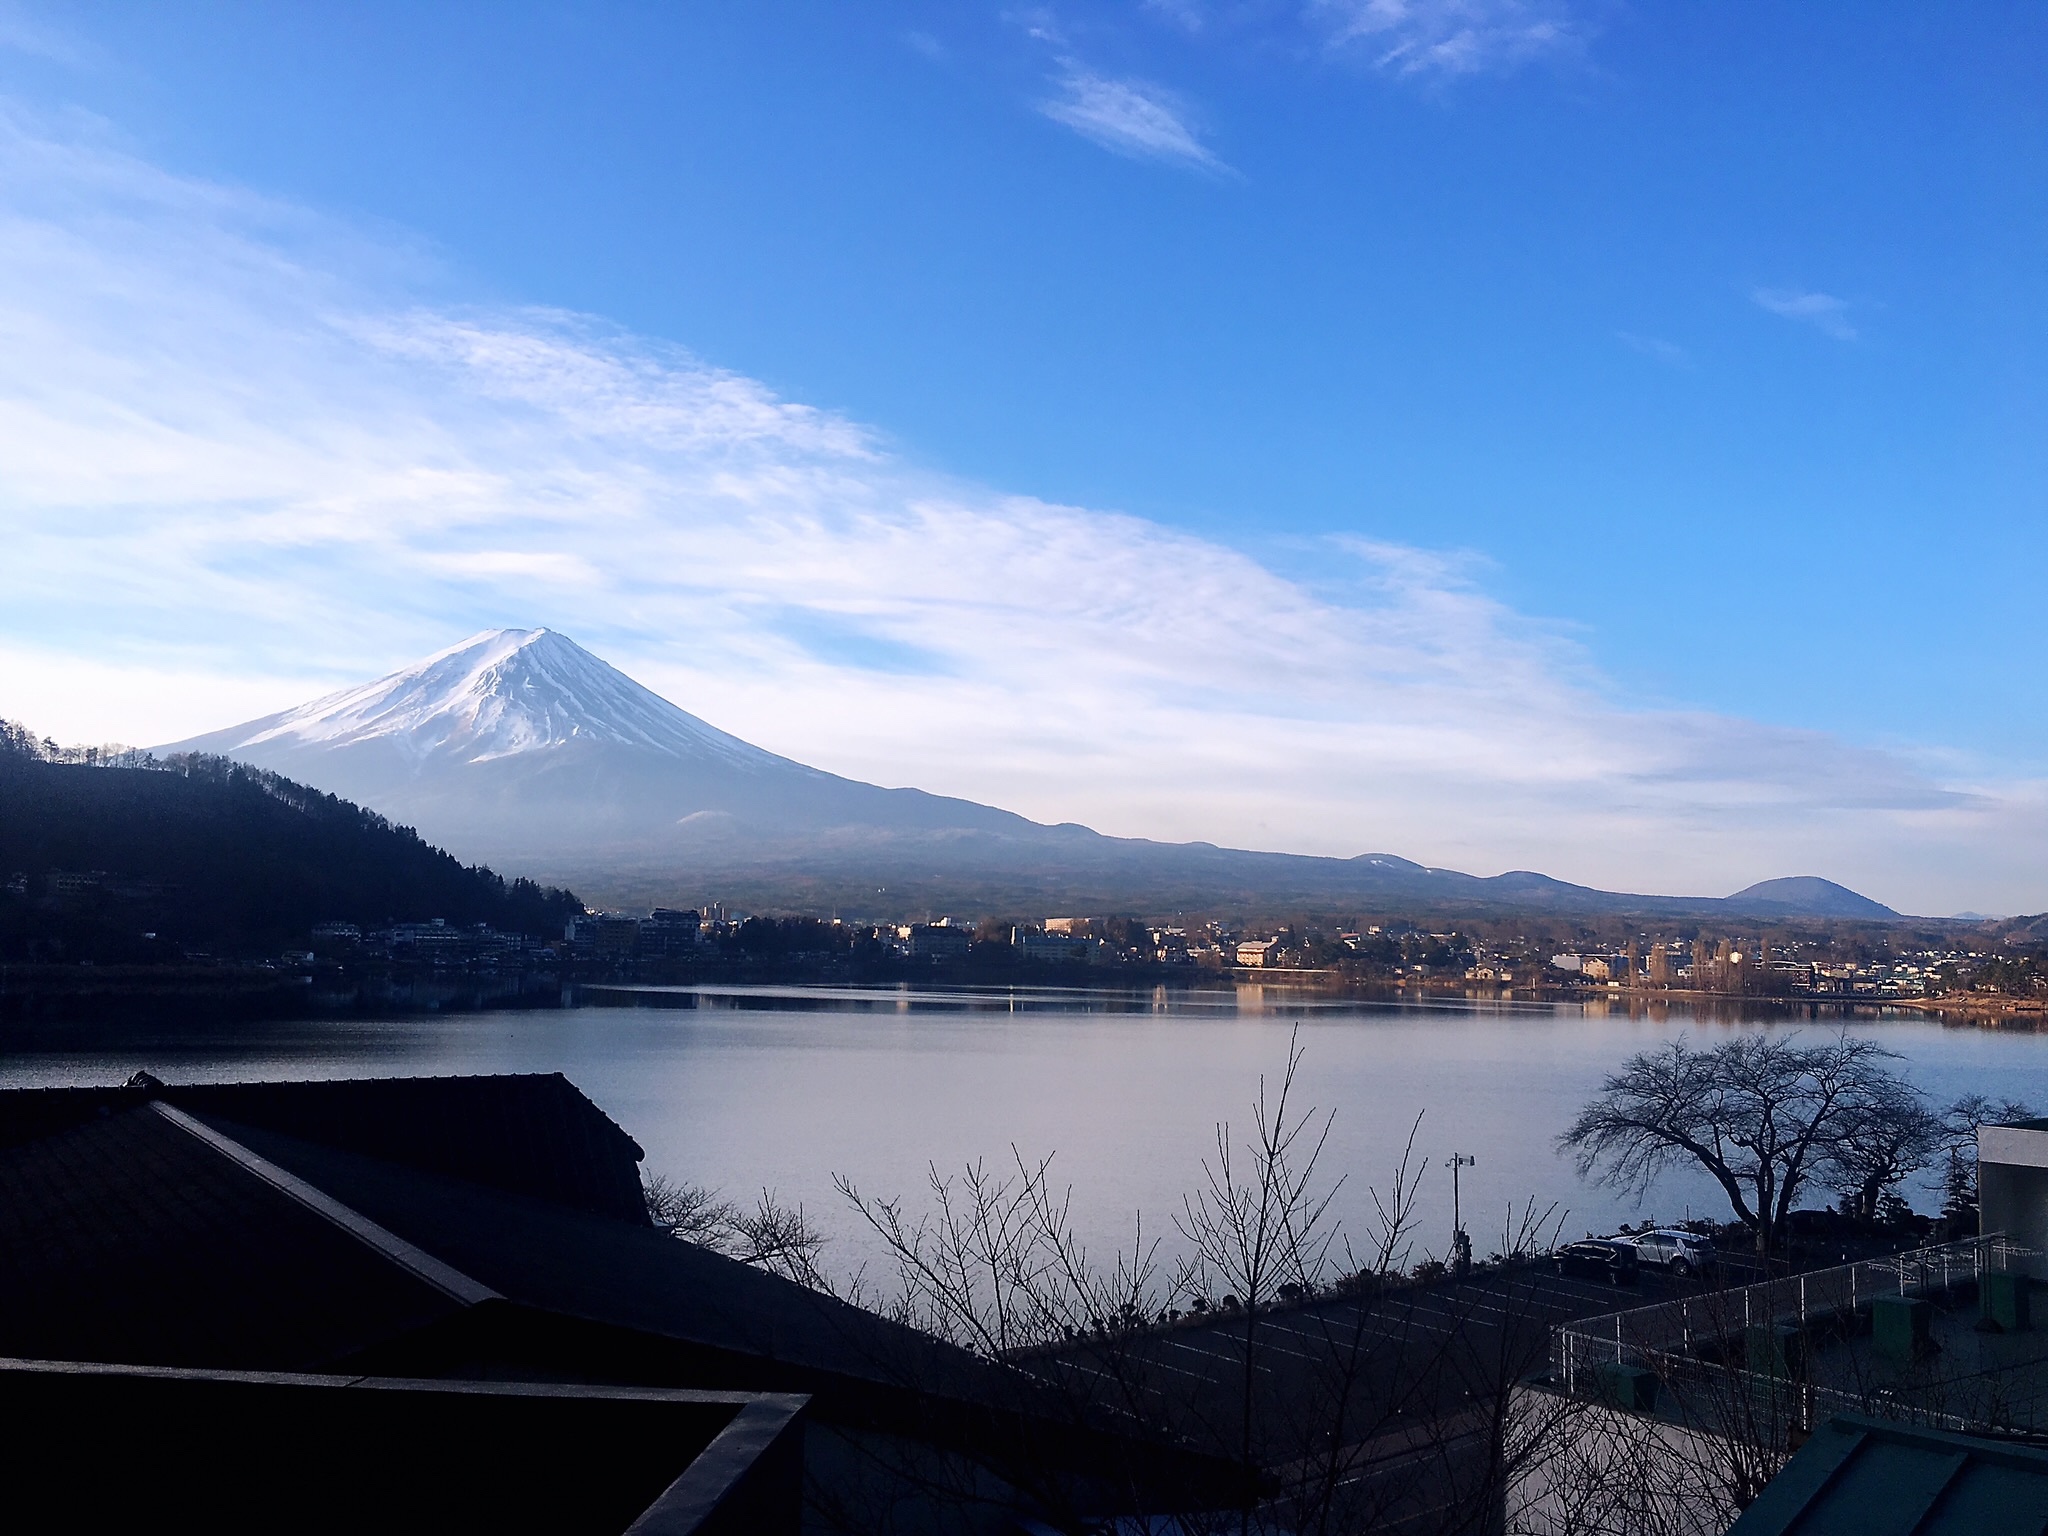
[782, 1087]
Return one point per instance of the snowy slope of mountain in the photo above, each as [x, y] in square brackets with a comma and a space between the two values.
[496, 694]
[521, 745]
[520, 748]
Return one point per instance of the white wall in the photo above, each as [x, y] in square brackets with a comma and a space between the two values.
[2012, 1188]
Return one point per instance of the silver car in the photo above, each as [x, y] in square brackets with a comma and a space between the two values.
[1680, 1253]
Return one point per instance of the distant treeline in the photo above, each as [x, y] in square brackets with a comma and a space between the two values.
[100, 848]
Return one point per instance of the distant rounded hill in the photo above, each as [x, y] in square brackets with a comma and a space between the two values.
[1806, 896]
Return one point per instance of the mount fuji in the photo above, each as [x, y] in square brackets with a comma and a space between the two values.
[521, 745]
[522, 749]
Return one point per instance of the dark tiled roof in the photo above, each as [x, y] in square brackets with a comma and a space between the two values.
[641, 1306]
[542, 1256]
[1867, 1477]
[125, 1238]
[28, 1114]
[172, 1232]
[535, 1134]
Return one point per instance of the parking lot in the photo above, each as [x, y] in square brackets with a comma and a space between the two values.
[1388, 1398]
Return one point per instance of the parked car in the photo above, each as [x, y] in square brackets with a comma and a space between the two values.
[1679, 1253]
[1599, 1258]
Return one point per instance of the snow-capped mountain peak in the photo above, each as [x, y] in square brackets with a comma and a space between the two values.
[500, 693]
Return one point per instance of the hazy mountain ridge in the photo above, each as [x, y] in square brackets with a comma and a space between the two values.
[522, 749]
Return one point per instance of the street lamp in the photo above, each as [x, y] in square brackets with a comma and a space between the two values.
[1461, 1245]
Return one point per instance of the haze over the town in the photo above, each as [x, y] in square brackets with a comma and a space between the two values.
[1585, 438]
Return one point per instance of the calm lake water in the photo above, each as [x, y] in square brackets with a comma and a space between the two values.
[746, 1088]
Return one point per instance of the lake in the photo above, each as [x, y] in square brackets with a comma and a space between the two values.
[745, 1088]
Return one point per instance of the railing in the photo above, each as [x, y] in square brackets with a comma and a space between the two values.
[1765, 1408]
[1714, 1320]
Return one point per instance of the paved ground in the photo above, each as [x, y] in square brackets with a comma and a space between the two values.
[1383, 1407]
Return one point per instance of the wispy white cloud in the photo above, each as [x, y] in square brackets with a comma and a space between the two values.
[21, 32]
[1823, 311]
[1450, 37]
[1131, 117]
[1669, 353]
[242, 470]
[1189, 15]
[1041, 25]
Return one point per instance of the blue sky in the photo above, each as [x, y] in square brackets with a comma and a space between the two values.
[1691, 357]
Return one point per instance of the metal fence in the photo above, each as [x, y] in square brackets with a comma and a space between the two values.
[1710, 1323]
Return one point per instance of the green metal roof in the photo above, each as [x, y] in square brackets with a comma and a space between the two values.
[1866, 1477]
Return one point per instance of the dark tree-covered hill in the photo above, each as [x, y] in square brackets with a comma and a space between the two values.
[204, 852]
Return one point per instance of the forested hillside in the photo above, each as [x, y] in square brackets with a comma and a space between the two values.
[125, 857]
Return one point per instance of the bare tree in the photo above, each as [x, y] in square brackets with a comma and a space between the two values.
[1891, 1134]
[1265, 1227]
[772, 1236]
[780, 1239]
[1959, 1126]
[1762, 1114]
[1969, 1114]
[994, 1264]
[690, 1211]
[1885, 1136]
[1355, 1398]
[1589, 1469]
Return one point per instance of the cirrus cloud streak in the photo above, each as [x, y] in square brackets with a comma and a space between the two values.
[1131, 117]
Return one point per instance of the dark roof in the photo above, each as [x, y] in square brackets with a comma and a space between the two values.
[112, 1447]
[566, 1262]
[126, 1239]
[28, 1114]
[148, 1225]
[1868, 1477]
[535, 1134]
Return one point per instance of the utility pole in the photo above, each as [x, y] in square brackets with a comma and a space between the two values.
[1454, 1162]
[1461, 1245]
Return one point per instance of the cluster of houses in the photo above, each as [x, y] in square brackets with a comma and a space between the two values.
[606, 941]
[435, 945]
[1705, 964]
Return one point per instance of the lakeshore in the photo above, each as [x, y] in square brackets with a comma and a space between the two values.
[270, 990]
[1988, 1008]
